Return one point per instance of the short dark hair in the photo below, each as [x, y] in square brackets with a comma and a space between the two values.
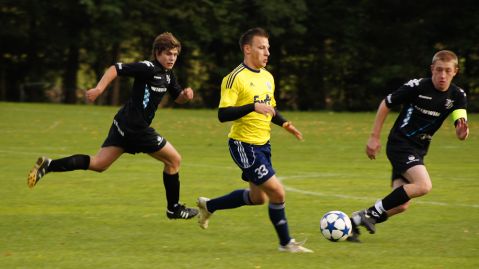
[247, 36]
[165, 41]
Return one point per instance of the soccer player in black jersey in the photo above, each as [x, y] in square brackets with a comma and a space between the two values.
[130, 131]
[426, 102]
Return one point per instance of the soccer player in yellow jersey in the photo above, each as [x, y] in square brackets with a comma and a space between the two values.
[247, 99]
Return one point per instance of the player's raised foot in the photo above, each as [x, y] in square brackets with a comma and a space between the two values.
[354, 236]
[204, 215]
[180, 211]
[38, 171]
[295, 247]
[363, 218]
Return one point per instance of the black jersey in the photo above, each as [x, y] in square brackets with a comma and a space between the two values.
[424, 110]
[151, 83]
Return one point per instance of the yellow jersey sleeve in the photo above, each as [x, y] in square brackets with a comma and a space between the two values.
[229, 96]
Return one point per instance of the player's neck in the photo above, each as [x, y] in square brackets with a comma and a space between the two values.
[251, 67]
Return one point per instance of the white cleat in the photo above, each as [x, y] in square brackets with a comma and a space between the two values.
[204, 214]
[295, 247]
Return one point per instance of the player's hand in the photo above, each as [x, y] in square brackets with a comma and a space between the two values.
[373, 147]
[92, 94]
[264, 109]
[462, 129]
[290, 128]
[187, 94]
[184, 96]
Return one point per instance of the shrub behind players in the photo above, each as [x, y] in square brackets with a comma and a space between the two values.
[130, 131]
[247, 99]
[426, 102]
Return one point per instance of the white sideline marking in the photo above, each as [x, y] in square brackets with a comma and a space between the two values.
[351, 197]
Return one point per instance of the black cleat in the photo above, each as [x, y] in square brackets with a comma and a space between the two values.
[38, 171]
[366, 220]
[181, 212]
[354, 237]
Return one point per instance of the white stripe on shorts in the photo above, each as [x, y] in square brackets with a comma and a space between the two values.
[244, 158]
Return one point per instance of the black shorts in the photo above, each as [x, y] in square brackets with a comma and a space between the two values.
[145, 141]
[402, 157]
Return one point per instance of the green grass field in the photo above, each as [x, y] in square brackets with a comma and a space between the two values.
[116, 219]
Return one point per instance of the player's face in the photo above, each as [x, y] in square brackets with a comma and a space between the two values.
[442, 74]
[167, 58]
[257, 53]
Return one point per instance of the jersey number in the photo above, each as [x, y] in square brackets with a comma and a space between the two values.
[261, 171]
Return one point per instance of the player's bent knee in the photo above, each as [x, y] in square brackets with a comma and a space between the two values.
[259, 201]
[278, 197]
[98, 169]
[99, 164]
[172, 165]
[424, 189]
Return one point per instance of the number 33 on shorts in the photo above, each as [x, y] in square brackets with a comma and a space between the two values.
[261, 171]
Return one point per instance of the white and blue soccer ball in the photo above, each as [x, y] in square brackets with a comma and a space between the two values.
[336, 226]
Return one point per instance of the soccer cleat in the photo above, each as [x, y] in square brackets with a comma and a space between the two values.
[295, 247]
[38, 171]
[204, 215]
[180, 211]
[364, 219]
[354, 237]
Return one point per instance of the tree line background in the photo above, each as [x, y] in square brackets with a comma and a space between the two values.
[336, 55]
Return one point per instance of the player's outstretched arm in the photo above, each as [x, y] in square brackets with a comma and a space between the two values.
[374, 143]
[186, 95]
[109, 76]
[288, 126]
[279, 120]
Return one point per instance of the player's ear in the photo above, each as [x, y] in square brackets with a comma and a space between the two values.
[247, 48]
[456, 71]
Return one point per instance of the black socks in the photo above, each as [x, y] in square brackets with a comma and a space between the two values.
[172, 189]
[74, 162]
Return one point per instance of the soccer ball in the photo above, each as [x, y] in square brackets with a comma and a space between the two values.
[335, 226]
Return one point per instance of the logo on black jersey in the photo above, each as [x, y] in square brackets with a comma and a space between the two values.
[266, 100]
[427, 112]
[158, 89]
[425, 97]
[413, 82]
[412, 158]
[148, 63]
[449, 103]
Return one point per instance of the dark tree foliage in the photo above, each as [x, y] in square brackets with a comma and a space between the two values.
[335, 55]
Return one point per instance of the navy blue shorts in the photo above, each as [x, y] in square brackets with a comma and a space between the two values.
[254, 161]
[403, 157]
[145, 141]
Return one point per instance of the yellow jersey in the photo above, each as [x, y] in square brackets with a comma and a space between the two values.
[245, 86]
